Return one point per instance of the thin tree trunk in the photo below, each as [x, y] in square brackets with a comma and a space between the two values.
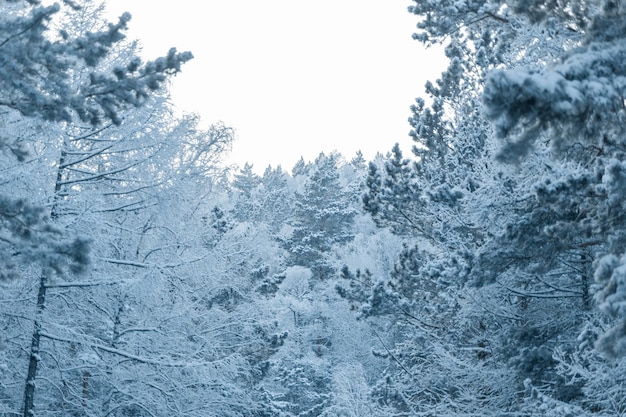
[34, 358]
[58, 185]
[29, 389]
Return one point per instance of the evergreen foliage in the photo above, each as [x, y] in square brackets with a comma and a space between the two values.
[522, 240]
[482, 276]
[323, 217]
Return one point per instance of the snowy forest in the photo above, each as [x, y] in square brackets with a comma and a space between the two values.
[482, 275]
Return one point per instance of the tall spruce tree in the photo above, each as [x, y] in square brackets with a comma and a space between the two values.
[323, 216]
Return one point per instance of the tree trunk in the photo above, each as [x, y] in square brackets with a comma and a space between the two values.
[33, 362]
[54, 214]
[29, 389]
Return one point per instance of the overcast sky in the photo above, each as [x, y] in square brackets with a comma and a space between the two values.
[293, 78]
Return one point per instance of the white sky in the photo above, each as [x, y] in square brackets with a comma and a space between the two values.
[293, 78]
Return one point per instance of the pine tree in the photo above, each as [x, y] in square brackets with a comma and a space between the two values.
[323, 217]
[245, 183]
[576, 105]
[276, 198]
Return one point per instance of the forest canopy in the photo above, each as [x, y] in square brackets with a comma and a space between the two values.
[482, 275]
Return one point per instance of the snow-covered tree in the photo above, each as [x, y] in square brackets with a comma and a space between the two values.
[66, 76]
[41, 79]
[519, 233]
[244, 184]
[575, 104]
[323, 217]
[276, 195]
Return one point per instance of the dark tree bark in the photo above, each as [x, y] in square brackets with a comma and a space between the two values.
[29, 389]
